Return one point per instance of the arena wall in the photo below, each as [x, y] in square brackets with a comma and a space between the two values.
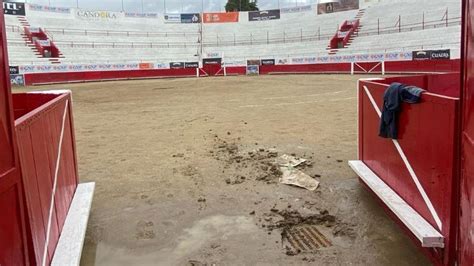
[330, 68]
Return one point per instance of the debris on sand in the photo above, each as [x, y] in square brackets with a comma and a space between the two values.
[292, 218]
[196, 263]
[300, 233]
[295, 177]
[235, 180]
[289, 161]
[258, 163]
[264, 164]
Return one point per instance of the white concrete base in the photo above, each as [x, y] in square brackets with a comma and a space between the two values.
[69, 248]
[425, 232]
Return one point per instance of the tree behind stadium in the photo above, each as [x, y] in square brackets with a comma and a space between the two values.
[241, 5]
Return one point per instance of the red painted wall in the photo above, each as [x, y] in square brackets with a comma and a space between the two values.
[39, 78]
[466, 226]
[342, 68]
[430, 146]
[13, 236]
[38, 126]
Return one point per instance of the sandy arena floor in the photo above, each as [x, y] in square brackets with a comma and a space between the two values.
[185, 176]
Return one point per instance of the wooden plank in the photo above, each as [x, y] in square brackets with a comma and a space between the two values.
[71, 241]
[425, 232]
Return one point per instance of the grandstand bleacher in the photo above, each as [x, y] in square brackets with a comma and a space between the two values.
[113, 37]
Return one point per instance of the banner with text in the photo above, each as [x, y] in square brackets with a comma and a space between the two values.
[172, 18]
[13, 8]
[97, 15]
[53, 9]
[264, 15]
[221, 17]
[331, 6]
[191, 65]
[141, 15]
[432, 55]
[296, 9]
[14, 70]
[191, 18]
[176, 65]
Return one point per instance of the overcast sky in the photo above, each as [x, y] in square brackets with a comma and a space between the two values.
[158, 5]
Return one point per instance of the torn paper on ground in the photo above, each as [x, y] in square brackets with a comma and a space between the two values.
[289, 161]
[295, 177]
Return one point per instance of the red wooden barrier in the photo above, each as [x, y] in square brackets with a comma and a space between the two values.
[466, 225]
[341, 68]
[66, 77]
[427, 137]
[13, 234]
[45, 133]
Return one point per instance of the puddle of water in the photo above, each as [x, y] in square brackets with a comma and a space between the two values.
[193, 239]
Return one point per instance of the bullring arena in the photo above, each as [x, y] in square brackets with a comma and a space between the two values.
[162, 155]
[238, 138]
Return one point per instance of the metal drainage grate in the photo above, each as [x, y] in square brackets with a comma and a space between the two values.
[305, 239]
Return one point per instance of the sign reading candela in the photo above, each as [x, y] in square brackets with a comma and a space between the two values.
[84, 14]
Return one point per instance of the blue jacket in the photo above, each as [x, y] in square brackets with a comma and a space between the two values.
[392, 103]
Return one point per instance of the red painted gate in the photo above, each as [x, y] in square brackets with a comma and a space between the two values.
[212, 66]
[466, 226]
[13, 243]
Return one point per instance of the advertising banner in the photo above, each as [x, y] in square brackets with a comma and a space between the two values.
[282, 61]
[268, 62]
[213, 55]
[304, 60]
[63, 10]
[161, 65]
[14, 70]
[172, 18]
[221, 17]
[141, 15]
[212, 61]
[296, 9]
[13, 8]
[252, 70]
[78, 67]
[191, 18]
[18, 80]
[97, 15]
[191, 65]
[432, 55]
[331, 6]
[264, 15]
[176, 65]
[253, 62]
[145, 66]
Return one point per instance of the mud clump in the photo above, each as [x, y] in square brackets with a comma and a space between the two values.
[258, 163]
[292, 218]
[235, 180]
[343, 229]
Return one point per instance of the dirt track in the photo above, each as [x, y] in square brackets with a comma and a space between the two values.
[184, 173]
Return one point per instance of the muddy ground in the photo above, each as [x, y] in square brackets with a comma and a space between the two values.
[185, 174]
